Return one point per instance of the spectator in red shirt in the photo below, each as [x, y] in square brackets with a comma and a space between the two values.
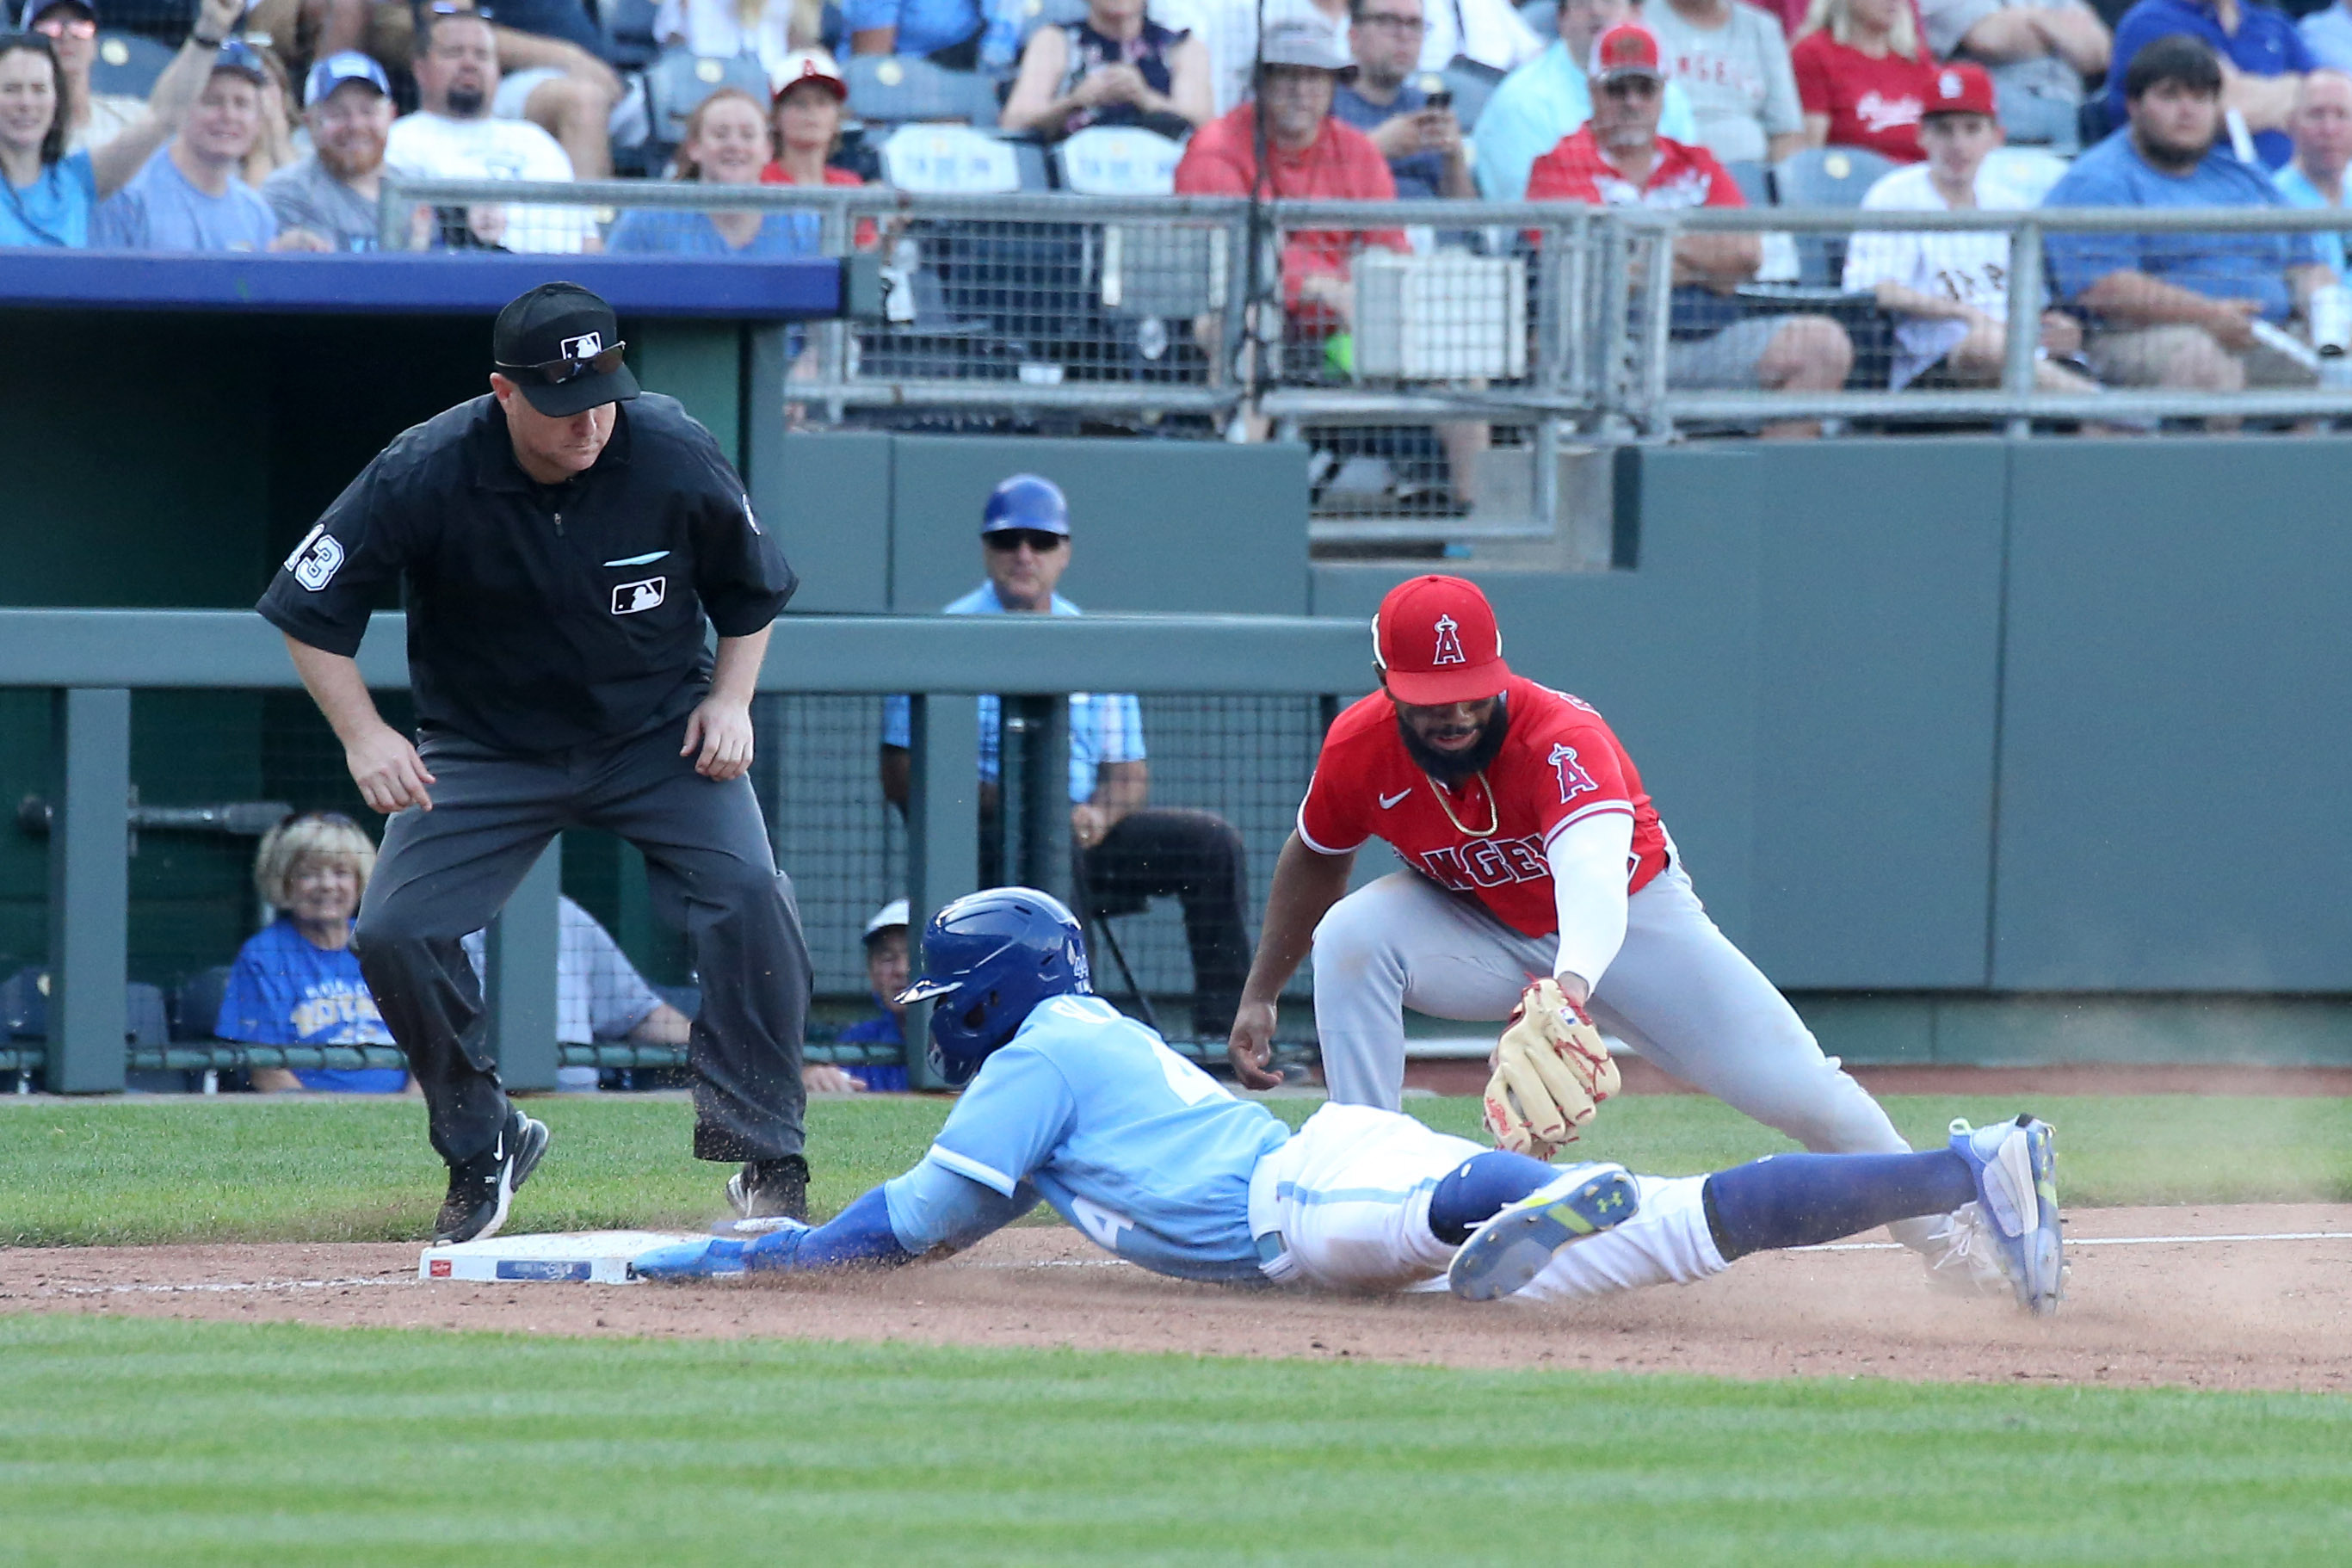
[807, 118]
[1311, 154]
[1618, 159]
[1863, 77]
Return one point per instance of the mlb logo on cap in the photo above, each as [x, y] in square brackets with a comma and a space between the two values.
[1624, 50]
[1436, 642]
[1961, 88]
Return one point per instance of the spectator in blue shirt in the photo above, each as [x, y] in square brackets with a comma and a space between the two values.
[2262, 59]
[727, 142]
[2328, 34]
[946, 30]
[2322, 128]
[885, 976]
[1547, 100]
[48, 197]
[1124, 851]
[191, 196]
[296, 982]
[2180, 309]
[1422, 143]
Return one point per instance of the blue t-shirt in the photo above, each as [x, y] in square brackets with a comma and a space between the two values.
[1105, 727]
[924, 25]
[648, 232]
[2219, 266]
[882, 1029]
[285, 992]
[160, 210]
[54, 211]
[2296, 187]
[1417, 177]
[2265, 44]
[1138, 1148]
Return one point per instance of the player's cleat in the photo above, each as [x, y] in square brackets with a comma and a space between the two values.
[1511, 1249]
[2014, 1163]
[766, 1189]
[720, 1257]
[481, 1189]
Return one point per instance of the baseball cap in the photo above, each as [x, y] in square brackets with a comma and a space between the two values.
[891, 916]
[562, 344]
[1295, 41]
[35, 9]
[338, 68]
[241, 58]
[1026, 501]
[1625, 49]
[1960, 89]
[1435, 641]
[807, 65]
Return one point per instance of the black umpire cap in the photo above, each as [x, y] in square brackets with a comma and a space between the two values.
[561, 345]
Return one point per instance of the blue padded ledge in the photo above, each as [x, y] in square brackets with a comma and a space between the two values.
[426, 284]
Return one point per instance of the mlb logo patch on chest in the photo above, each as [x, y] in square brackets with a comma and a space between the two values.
[629, 598]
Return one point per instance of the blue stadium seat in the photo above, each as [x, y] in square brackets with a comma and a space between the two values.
[25, 1009]
[1543, 16]
[893, 90]
[1117, 160]
[127, 65]
[677, 84]
[1471, 85]
[1825, 177]
[628, 29]
[195, 1004]
[951, 159]
[1754, 182]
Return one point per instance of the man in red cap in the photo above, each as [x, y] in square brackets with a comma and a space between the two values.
[1949, 292]
[1533, 853]
[1618, 159]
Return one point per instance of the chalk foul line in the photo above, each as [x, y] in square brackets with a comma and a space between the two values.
[2073, 1241]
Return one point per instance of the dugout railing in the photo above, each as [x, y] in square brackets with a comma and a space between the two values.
[1278, 678]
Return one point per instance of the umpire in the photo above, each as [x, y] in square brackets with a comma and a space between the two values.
[562, 541]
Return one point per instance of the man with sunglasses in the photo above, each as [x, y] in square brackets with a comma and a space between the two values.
[565, 544]
[92, 119]
[1126, 850]
[1620, 160]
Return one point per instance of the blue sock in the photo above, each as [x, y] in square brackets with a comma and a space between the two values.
[1477, 1190]
[1802, 1200]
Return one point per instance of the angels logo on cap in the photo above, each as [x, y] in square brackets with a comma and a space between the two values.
[1625, 49]
[1436, 642]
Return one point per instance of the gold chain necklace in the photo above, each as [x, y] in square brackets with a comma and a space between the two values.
[1494, 808]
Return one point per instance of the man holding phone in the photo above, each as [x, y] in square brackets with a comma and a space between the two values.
[1413, 128]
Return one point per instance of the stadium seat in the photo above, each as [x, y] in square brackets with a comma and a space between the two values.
[1471, 84]
[127, 65]
[677, 84]
[25, 1009]
[2029, 172]
[1543, 17]
[195, 1004]
[894, 90]
[628, 29]
[1755, 181]
[1119, 161]
[1825, 177]
[950, 160]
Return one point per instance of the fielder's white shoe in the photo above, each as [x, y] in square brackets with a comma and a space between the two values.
[1510, 1249]
[2015, 1165]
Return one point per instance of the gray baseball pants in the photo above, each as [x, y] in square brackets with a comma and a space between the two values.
[445, 872]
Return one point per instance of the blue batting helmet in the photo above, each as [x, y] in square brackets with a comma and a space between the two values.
[988, 959]
[1026, 501]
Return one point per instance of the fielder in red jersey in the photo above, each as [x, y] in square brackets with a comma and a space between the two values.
[1533, 850]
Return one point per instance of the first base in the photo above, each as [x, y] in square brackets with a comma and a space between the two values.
[588, 1257]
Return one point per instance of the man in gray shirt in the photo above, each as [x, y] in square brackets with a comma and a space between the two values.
[1733, 61]
[2036, 54]
[327, 201]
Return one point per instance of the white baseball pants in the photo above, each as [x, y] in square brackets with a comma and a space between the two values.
[1678, 995]
[1345, 1205]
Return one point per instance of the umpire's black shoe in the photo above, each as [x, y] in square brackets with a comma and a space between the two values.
[481, 1189]
[771, 1189]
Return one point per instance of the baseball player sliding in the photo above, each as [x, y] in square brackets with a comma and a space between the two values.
[1541, 887]
[1158, 1162]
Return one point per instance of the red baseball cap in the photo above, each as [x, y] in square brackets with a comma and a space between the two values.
[1625, 49]
[1960, 89]
[1436, 642]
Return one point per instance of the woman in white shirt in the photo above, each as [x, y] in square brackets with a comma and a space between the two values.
[770, 30]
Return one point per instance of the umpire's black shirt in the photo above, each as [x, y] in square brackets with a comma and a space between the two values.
[541, 616]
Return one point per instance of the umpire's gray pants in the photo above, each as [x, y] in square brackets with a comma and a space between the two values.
[445, 872]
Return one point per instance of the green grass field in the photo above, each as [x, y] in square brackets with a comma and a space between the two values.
[159, 1442]
[240, 1168]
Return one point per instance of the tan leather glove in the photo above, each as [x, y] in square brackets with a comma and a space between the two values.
[1551, 1071]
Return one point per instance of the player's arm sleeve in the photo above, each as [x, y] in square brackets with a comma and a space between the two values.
[325, 591]
[932, 1207]
[1331, 821]
[740, 570]
[1008, 1123]
[1587, 887]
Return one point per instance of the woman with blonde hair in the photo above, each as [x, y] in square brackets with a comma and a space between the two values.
[296, 982]
[771, 30]
[1863, 77]
[727, 143]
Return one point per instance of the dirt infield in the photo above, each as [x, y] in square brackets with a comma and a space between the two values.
[2240, 1314]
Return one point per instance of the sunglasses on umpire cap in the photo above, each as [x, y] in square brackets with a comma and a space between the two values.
[556, 372]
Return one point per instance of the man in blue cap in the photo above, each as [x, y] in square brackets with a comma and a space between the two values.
[1124, 851]
[327, 201]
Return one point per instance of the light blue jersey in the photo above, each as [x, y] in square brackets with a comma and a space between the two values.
[1136, 1147]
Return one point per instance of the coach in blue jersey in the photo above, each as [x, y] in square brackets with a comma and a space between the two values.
[1157, 1161]
[565, 544]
